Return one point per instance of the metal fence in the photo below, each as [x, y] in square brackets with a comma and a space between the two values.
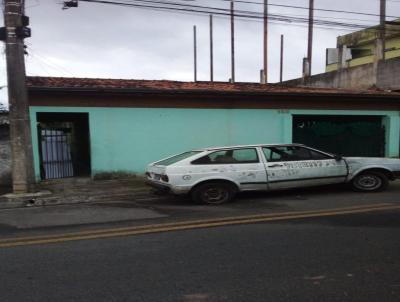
[56, 154]
[348, 138]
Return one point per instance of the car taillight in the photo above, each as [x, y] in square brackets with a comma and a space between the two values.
[164, 178]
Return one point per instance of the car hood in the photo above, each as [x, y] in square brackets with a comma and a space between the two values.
[372, 160]
[390, 163]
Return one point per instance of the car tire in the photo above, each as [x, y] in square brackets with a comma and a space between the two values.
[370, 181]
[213, 193]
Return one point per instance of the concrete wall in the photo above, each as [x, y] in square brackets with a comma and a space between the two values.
[360, 77]
[126, 139]
[5, 153]
[388, 74]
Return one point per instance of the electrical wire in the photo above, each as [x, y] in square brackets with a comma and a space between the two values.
[48, 62]
[221, 11]
[197, 9]
[303, 8]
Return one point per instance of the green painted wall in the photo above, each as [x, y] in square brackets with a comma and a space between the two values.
[361, 61]
[392, 54]
[331, 67]
[126, 139]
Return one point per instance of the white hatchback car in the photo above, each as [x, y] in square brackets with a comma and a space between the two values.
[215, 175]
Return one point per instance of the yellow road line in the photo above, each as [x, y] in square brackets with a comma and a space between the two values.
[191, 222]
[189, 225]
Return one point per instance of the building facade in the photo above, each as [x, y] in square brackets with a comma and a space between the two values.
[355, 63]
[88, 127]
[359, 47]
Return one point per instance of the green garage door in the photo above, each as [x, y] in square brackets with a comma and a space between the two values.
[344, 135]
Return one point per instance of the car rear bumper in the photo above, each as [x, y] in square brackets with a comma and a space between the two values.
[158, 186]
[166, 188]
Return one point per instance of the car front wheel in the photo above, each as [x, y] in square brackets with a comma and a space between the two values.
[213, 193]
[370, 182]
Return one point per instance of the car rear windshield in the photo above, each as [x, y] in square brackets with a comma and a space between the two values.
[174, 159]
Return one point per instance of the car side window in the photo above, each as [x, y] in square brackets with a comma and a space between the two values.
[319, 156]
[233, 156]
[287, 153]
[246, 155]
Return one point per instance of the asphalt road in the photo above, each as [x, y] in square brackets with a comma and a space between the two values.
[74, 217]
[337, 258]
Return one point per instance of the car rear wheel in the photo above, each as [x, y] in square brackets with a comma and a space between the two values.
[213, 193]
[370, 182]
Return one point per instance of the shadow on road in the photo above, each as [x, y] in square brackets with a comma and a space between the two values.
[291, 194]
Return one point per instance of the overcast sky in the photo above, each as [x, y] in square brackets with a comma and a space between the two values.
[109, 41]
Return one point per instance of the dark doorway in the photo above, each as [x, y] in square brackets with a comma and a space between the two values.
[64, 147]
[344, 135]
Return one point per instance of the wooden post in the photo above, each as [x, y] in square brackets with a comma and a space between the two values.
[232, 43]
[265, 53]
[281, 65]
[310, 36]
[382, 31]
[211, 50]
[195, 52]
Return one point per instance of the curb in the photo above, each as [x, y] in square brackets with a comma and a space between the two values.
[32, 201]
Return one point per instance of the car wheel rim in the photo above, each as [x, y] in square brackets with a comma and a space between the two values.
[368, 182]
[215, 195]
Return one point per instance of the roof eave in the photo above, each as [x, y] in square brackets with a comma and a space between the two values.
[205, 92]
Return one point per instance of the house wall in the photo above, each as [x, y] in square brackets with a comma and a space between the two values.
[126, 139]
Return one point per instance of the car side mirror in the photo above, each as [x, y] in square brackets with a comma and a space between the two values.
[337, 157]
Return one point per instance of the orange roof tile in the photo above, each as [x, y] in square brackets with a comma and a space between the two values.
[165, 85]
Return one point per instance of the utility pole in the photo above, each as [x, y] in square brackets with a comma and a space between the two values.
[232, 44]
[264, 78]
[20, 131]
[281, 65]
[310, 37]
[211, 50]
[195, 52]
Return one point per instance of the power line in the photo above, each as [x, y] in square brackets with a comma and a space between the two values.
[197, 9]
[306, 8]
[42, 59]
[293, 7]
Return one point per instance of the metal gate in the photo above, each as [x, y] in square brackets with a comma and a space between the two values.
[55, 152]
[344, 135]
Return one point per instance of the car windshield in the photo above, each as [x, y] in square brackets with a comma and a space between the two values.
[176, 158]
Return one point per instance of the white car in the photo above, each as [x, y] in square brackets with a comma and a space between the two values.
[215, 175]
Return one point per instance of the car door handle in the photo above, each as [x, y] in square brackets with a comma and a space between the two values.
[275, 166]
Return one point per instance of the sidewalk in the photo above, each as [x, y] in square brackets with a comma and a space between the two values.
[76, 191]
[86, 204]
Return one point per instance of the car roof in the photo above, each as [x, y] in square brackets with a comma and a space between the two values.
[246, 146]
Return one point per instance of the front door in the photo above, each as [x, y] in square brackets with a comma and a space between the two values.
[296, 166]
[64, 149]
[56, 155]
